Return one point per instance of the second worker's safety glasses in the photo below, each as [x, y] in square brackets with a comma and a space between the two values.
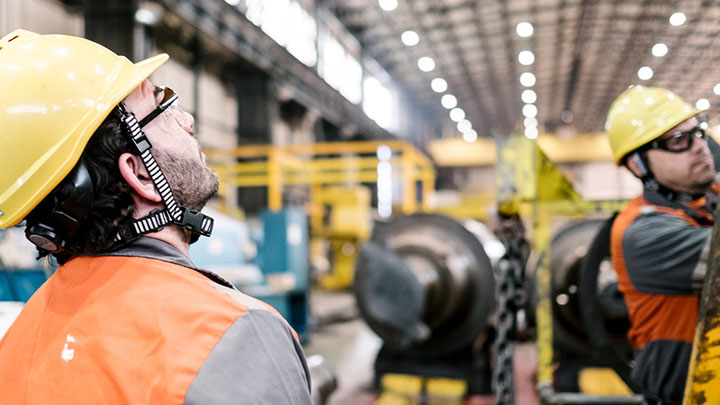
[679, 141]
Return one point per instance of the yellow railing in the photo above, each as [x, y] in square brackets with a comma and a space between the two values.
[349, 163]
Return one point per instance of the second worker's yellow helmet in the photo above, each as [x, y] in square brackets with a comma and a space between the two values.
[55, 91]
[641, 114]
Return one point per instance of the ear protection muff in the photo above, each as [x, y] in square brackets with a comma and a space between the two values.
[70, 205]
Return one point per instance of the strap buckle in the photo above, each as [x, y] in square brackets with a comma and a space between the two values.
[196, 222]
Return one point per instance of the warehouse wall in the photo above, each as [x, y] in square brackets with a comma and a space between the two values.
[42, 16]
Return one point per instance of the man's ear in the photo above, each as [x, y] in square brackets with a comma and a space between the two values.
[632, 165]
[133, 171]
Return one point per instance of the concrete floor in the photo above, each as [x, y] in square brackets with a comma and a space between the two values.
[349, 347]
[346, 344]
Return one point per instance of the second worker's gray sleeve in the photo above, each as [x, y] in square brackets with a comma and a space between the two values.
[662, 252]
[257, 361]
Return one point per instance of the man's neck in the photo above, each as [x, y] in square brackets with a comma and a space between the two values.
[174, 236]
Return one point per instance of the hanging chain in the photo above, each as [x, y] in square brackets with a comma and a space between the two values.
[511, 299]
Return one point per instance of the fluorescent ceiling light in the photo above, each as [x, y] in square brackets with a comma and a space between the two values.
[457, 114]
[528, 96]
[464, 126]
[659, 49]
[524, 29]
[530, 111]
[470, 136]
[702, 104]
[426, 64]
[448, 101]
[410, 38]
[438, 85]
[388, 5]
[527, 79]
[645, 73]
[526, 58]
[678, 19]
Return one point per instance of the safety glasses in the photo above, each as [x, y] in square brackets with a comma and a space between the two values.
[171, 108]
[679, 141]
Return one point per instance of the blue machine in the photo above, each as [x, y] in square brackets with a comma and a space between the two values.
[229, 252]
[283, 260]
[277, 275]
[20, 271]
[20, 284]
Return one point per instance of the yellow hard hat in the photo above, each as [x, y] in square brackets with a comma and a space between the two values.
[641, 114]
[55, 91]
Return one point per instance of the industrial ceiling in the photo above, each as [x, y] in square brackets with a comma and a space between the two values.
[585, 54]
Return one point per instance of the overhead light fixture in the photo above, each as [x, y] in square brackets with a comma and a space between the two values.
[530, 122]
[529, 111]
[457, 114]
[531, 132]
[388, 5]
[410, 38]
[384, 153]
[567, 116]
[232, 2]
[716, 89]
[678, 19]
[526, 58]
[702, 104]
[659, 50]
[426, 64]
[438, 85]
[448, 101]
[528, 96]
[645, 73]
[470, 136]
[527, 79]
[524, 29]
[149, 13]
[464, 126]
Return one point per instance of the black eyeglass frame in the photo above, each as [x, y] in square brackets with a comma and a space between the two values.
[663, 144]
[169, 97]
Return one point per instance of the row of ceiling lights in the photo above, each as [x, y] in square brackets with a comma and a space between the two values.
[659, 50]
[438, 84]
[527, 80]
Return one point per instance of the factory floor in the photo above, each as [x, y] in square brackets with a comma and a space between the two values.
[348, 348]
[346, 344]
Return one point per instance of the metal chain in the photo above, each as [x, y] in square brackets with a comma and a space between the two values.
[511, 299]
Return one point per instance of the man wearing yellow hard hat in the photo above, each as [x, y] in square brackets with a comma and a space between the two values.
[660, 241]
[101, 168]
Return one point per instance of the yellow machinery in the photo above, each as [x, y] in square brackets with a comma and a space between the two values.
[340, 217]
[531, 186]
[703, 384]
[553, 196]
[338, 201]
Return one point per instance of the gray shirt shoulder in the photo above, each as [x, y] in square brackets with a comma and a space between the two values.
[662, 252]
[257, 361]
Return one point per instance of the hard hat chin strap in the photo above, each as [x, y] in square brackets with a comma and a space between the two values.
[646, 175]
[196, 222]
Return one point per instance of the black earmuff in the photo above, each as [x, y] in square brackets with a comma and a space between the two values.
[70, 203]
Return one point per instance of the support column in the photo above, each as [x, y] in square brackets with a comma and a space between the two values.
[112, 24]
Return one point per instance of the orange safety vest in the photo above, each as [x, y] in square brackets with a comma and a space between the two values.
[652, 316]
[123, 330]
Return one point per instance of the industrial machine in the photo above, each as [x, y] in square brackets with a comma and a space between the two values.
[283, 259]
[425, 285]
[20, 274]
[589, 317]
[273, 268]
[340, 222]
